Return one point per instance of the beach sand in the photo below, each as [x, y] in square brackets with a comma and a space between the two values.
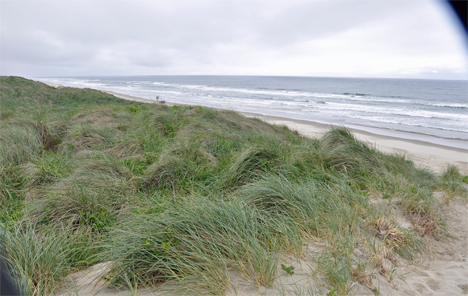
[444, 273]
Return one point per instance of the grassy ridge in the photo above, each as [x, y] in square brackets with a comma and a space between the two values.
[188, 194]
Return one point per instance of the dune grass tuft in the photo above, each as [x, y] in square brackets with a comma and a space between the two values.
[38, 261]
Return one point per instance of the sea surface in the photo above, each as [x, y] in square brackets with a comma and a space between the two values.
[435, 111]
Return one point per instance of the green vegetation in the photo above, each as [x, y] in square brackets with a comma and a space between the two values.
[186, 198]
[289, 269]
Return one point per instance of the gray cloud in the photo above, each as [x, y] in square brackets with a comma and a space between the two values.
[333, 38]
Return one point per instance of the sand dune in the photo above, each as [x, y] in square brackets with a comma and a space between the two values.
[444, 272]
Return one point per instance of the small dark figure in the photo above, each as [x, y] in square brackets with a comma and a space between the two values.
[162, 102]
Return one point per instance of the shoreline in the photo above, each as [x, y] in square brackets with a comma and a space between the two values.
[426, 154]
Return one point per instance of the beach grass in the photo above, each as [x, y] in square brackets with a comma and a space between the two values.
[180, 197]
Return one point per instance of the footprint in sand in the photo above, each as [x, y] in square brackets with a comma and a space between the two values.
[464, 289]
[421, 288]
[433, 284]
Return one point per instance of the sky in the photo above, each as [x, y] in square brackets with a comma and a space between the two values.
[324, 38]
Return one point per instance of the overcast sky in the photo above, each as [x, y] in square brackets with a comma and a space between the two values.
[347, 38]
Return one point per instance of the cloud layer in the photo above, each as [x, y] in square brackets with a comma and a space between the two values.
[301, 38]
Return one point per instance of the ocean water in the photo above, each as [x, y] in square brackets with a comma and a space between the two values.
[429, 110]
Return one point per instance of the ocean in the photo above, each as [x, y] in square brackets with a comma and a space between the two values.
[434, 111]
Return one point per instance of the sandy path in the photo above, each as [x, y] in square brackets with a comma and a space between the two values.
[447, 271]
